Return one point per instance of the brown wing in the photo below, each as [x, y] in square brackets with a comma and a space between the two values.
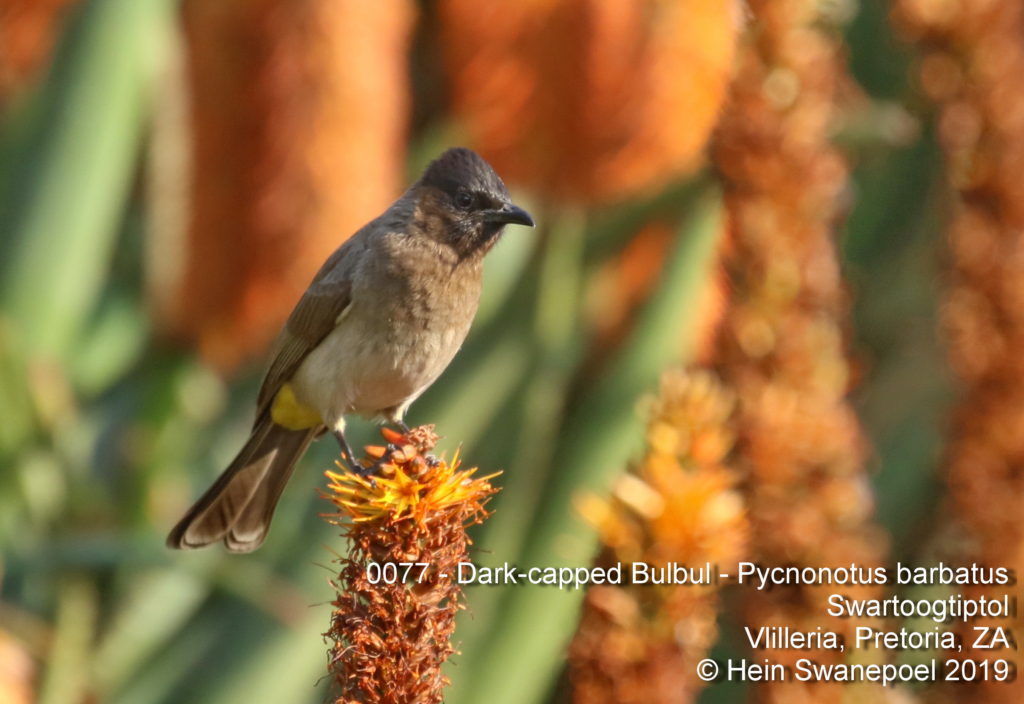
[315, 315]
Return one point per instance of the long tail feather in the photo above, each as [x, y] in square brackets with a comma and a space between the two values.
[238, 507]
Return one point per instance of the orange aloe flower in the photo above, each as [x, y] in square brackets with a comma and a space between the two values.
[972, 66]
[679, 505]
[296, 125]
[28, 32]
[397, 594]
[589, 100]
[17, 672]
[800, 445]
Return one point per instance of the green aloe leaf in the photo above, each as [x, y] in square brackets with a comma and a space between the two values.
[66, 678]
[157, 605]
[66, 184]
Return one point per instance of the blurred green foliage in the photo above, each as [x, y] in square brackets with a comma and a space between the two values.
[106, 435]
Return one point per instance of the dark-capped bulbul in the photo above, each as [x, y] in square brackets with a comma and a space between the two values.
[381, 320]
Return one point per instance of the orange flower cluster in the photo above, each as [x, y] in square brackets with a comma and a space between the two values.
[973, 67]
[297, 126]
[781, 344]
[16, 672]
[641, 643]
[392, 624]
[589, 100]
[28, 30]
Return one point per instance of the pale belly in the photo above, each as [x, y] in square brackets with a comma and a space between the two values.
[373, 374]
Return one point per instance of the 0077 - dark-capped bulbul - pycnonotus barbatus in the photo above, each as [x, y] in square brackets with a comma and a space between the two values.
[380, 321]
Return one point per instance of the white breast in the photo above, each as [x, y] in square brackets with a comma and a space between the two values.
[364, 367]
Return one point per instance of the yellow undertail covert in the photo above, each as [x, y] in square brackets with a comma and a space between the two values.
[290, 413]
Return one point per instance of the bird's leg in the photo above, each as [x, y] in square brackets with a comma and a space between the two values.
[401, 424]
[350, 458]
[346, 450]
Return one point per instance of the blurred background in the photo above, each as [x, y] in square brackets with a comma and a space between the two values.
[813, 202]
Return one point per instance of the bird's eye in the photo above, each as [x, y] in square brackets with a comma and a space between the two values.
[464, 200]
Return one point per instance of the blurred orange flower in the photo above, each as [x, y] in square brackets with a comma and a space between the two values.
[679, 505]
[589, 100]
[28, 32]
[782, 347]
[297, 124]
[17, 672]
[972, 66]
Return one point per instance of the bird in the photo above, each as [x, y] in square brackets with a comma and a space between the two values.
[380, 321]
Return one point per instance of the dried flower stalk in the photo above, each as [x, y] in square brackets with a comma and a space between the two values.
[973, 68]
[589, 100]
[641, 643]
[781, 346]
[390, 637]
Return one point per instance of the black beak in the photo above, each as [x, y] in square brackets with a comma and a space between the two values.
[509, 214]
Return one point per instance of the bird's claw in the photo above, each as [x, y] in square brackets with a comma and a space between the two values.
[351, 465]
[369, 472]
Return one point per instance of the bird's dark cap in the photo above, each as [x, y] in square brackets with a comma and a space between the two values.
[460, 167]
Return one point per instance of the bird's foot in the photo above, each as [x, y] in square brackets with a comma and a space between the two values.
[375, 467]
[370, 471]
[352, 467]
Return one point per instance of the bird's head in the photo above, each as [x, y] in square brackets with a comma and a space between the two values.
[461, 202]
